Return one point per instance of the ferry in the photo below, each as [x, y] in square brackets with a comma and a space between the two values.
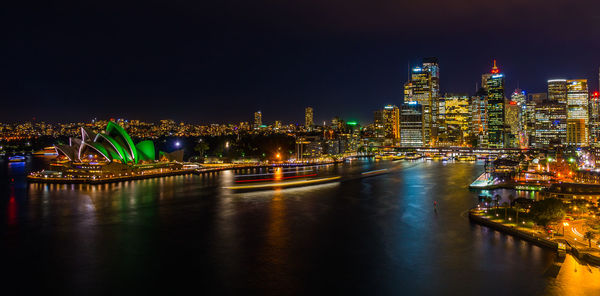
[466, 158]
[16, 158]
[47, 151]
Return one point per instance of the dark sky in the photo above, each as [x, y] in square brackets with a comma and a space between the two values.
[219, 61]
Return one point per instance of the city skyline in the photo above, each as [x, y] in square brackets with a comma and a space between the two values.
[197, 61]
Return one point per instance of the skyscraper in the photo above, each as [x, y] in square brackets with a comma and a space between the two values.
[257, 119]
[479, 118]
[550, 128]
[577, 112]
[455, 121]
[424, 89]
[557, 91]
[411, 125]
[391, 122]
[495, 108]
[308, 118]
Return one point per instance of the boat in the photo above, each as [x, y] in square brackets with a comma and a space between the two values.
[16, 158]
[47, 151]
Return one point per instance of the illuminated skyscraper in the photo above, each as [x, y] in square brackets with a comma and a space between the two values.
[557, 91]
[391, 122]
[577, 112]
[424, 89]
[550, 128]
[595, 119]
[519, 97]
[257, 119]
[308, 118]
[455, 121]
[495, 108]
[479, 118]
[512, 120]
[411, 125]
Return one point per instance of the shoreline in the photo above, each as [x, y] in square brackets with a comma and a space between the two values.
[45, 180]
[541, 242]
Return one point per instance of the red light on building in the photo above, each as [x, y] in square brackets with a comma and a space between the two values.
[513, 102]
[495, 69]
[595, 94]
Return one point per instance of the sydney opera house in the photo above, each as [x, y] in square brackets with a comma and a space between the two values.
[109, 154]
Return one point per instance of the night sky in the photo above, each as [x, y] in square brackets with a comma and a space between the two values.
[219, 61]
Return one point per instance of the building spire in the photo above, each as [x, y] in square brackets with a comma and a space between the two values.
[495, 68]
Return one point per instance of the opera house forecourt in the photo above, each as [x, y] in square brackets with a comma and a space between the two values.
[109, 156]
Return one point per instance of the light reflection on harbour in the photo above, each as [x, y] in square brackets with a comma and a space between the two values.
[380, 234]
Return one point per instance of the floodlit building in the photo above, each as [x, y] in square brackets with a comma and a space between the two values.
[455, 120]
[257, 119]
[391, 122]
[557, 91]
[424, 89]
[550, 127]
[411, 125]
[308, 118]
[495, 109]
[577, 112]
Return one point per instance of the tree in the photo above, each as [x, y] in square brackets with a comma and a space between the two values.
[593, 223]
[201, 148]
[547, 211]
[589, 236]
[512, 199]
[497, 197]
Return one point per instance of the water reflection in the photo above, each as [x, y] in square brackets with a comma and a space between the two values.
[377, 235]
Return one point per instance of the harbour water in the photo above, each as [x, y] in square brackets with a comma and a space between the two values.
[375, 235]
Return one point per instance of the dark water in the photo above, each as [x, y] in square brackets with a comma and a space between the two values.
[378, 235]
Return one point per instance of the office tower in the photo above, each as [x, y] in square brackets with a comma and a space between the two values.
[424, 88]
[308, 118]
[550, 127]
[495, 109]
[519, 97]
[391, 122]
[577, 112]
[537, 97]
[512, 120]
[277, 124]
[257, 119]
[378, 123]
[411, 125]
[479, 119]
[529, 119]
[557, 90]
[456, 120]
[594, 119]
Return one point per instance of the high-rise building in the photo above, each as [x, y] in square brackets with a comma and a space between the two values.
[308, 118]
[550, 128]
[479, 118]
[594, 119]
[495, 109]
[424, 89]
[391, 122]
[455, 119]
[519, 97]
[257, 119]
[411, 125]
[557, 91]
[537, 97]
[512, 120]
[577, 112]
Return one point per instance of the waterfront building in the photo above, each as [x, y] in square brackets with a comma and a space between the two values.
[424, 89]
[411, 125]
[577, 112]
[550, 128]
[308, 118]
[257, 119]
[495, 109]
[557, 91]
[391, 122]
